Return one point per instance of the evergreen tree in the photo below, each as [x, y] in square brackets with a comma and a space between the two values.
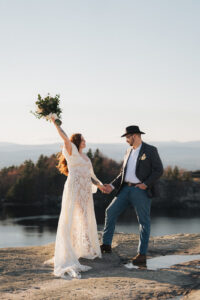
[89, 154]
[176, 173]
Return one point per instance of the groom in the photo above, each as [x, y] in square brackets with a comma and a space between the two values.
[135, 184]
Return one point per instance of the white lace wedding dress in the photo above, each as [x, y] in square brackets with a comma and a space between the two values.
[77, 234]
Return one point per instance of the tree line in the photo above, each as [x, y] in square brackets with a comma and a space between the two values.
[31, 183]
[40, 184]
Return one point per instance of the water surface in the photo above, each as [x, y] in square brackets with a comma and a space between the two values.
[41, 230]
[163, 262]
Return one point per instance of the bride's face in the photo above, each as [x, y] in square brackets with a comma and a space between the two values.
[83, 143]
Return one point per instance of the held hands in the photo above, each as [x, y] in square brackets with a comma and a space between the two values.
[106, 188]
[102, 188]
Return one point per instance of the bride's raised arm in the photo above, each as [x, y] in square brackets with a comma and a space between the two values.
[64, 136]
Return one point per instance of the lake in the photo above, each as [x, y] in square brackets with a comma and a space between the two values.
[40, 230]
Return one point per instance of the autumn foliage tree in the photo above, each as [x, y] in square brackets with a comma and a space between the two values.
[31, 183]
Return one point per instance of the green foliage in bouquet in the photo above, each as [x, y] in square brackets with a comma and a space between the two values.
[47, 107]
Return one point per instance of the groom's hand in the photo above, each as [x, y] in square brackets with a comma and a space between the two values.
[108, 188]
[142, 186]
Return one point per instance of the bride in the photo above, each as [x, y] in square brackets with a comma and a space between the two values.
[77, 234]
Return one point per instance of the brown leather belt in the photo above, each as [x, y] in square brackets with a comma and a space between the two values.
[131, 184]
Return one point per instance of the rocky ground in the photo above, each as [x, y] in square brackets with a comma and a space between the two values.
[24, 276]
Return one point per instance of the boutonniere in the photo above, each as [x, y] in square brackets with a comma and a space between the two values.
[143, 157]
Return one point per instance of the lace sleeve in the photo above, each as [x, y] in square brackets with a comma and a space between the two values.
[95, 180]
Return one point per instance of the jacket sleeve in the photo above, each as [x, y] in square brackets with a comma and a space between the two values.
[157, 168]
[117, 181]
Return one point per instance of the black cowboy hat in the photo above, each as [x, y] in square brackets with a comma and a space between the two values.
[132, 129]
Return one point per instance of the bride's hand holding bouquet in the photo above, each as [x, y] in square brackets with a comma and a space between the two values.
[48, 108]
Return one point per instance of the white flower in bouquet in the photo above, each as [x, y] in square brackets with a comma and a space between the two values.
[49, 117]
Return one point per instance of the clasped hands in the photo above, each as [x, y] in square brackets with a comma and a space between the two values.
[107, 188]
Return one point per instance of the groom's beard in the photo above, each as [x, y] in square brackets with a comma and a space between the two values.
[132, 142]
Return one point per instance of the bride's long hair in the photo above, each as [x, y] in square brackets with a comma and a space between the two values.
[62, 163]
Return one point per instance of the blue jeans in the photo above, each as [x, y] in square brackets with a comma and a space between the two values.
[139, 199]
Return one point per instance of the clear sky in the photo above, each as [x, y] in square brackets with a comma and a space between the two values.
[114, 63]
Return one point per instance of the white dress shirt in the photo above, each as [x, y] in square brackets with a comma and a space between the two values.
[130, 175]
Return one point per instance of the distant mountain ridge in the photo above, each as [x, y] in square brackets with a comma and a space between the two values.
[183, 154]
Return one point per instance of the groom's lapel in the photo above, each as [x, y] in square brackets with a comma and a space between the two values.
[127, 156]
[140, 154]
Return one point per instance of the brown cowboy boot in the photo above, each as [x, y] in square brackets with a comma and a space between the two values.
[139, 259]
[106, 248]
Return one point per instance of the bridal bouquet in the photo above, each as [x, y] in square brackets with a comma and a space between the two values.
[48, 107]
